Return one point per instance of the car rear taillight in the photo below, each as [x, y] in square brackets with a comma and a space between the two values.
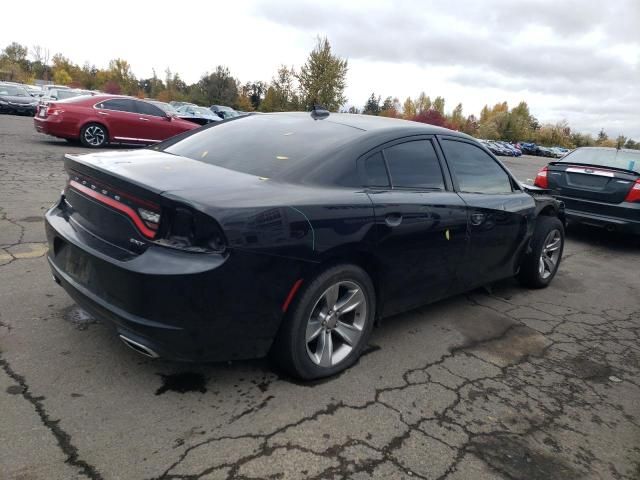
[541, 179]
[144, 214]
[53, 109]
[634, 193]
[191, 230]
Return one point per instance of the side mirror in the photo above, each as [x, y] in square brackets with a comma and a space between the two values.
[168, 117]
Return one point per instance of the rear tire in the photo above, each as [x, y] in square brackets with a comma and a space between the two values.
[540, 265]
[94, 135]
[328, 325]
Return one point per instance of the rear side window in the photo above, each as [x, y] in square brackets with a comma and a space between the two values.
[149, 109]
[474, 169]
[414, 165]
[119, 104]
[375, 173]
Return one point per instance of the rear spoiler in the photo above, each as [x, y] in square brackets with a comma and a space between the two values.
[590, 165]
[534, 190]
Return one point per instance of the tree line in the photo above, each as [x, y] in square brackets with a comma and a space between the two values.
[321, 80]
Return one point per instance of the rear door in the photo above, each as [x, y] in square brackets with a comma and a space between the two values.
[420, 222]
[500, 214]
[121, 118]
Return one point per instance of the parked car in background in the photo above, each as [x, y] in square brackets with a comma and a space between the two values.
[599, 186]
[63, 94]
[102, 119]
[528, 148]
[515, 152]
[177, 105]
[199, 115]
[16, 99]
[250, 241]
[224, 112]
[166, 107]
[34, 91]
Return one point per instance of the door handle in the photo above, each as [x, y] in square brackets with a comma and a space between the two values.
[103, 113]
[143, 119]
[477, 218]
[393, 219]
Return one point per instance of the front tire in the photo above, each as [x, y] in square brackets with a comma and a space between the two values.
[94, 135]
[540, 265]
[328, 326]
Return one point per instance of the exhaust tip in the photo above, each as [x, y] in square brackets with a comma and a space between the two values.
[138, 347]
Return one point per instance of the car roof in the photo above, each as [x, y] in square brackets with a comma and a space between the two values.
[371, 123]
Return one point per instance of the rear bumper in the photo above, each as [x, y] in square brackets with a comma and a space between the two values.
[603, 221]
[55, 127]
[183, 306]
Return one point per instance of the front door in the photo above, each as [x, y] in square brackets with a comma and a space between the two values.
[500, 212]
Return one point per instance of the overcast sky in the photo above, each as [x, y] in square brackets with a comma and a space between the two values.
[577, 60]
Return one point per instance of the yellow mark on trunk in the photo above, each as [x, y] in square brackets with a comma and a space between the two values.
[282, 157]
[446, 234]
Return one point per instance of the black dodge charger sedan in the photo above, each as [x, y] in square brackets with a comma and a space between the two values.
[291, 234]
[599, 186]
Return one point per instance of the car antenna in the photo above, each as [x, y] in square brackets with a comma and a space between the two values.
[318, 112]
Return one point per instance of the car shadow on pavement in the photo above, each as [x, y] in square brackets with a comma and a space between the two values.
[594, 236]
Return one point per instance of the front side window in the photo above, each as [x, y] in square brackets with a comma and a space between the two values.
[414, 165]
[119, 104]
[149, 109]
[474, 169]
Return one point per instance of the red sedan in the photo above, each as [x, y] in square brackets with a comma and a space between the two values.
[102, 119]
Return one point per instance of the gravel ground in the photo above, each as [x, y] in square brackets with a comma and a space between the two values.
[501, 384]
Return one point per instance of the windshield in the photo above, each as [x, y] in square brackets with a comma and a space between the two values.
[13, 91]
[606, 157]
[263, 145]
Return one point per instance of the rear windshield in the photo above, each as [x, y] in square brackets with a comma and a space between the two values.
[263, 145]
[625, 159]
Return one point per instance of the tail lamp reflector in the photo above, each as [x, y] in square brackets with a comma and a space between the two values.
[541, 179]
[634, 193]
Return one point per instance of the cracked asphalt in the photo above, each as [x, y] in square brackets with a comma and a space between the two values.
[503, 383]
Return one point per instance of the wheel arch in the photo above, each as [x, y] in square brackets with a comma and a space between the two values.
[354, 255]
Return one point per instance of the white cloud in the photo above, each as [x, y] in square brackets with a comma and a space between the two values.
[576, 59]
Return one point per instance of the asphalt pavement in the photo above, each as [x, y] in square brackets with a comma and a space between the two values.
[504, 383]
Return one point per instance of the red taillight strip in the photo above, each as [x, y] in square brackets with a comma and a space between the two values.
[121, 207]
[119, 192]
[292, 293]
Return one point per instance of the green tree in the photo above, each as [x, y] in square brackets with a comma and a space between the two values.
[218, 88]
[438, 105]
[457, 120]
[62, 77]
[390, 108]
[372, 107]
[602, 137]
[323, 78]
[408, 109]
[284, 90]
[422, 103]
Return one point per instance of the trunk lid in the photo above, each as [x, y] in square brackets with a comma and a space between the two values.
[590, 182]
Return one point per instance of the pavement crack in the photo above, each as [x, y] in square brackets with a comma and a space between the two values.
[63, 438]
